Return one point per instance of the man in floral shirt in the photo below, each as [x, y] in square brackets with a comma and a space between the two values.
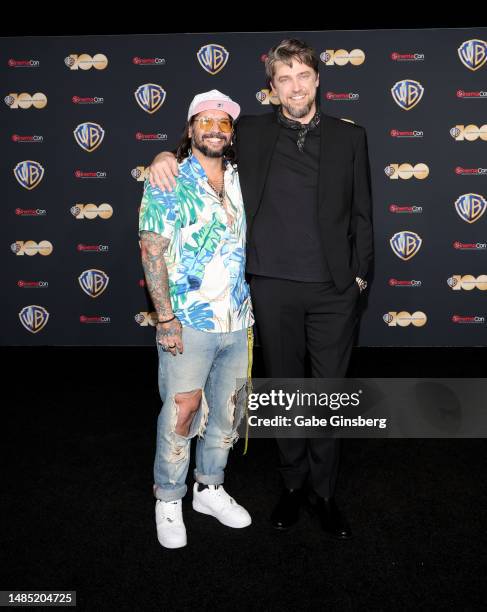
[193, 254]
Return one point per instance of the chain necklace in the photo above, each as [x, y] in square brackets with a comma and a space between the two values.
[218, 189]
[221, 194]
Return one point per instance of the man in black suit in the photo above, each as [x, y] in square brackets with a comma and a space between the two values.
[305, 180]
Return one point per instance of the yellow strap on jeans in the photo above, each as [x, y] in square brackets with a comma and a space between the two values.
[250, 352]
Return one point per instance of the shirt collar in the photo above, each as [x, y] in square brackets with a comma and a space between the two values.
[198, 170]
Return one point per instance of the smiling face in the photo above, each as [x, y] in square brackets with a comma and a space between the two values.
[296, 87]
[215, 141]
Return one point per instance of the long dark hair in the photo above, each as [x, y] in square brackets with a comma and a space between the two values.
[182, 150]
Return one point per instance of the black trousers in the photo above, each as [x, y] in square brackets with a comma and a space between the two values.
[296, 320]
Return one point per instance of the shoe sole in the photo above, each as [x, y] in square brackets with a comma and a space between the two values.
[172, 545]
[200, 508]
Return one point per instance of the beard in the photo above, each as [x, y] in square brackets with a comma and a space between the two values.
[199, 143]
[298, 112]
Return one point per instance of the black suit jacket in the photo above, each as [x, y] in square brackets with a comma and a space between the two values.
[344, 188]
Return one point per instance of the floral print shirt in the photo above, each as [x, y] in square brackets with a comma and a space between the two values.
[206, 257]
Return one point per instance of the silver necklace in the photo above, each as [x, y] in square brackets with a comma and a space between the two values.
[220, 194]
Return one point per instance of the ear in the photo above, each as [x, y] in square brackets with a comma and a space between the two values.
[317, 79]
[273, 90]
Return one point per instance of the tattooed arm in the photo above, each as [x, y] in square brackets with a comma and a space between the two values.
[153, 246]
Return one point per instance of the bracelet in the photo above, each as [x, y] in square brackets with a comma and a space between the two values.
[168, 320]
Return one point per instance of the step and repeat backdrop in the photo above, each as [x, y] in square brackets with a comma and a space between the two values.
[82, 118]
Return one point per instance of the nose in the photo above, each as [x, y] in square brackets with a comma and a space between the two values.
[296, 86]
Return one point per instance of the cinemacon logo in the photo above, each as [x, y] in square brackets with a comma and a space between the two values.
[98, 248]
[94, 319]
[472, 246]
[461, 93]
[31, 211]
[461, 170]
[394, 208]
[406, 133]
[148, 61]
[33, 138]
[88, 100]
[398, 57]
[94, 174]
[27, 284]
[394, 282]
[13, 63]
[467, 319]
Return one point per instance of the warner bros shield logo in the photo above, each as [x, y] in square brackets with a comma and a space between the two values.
[470, 207]
[93, 282]
[89, 136]
[473, 53]
[213, 58]
[405, 244]
[29, 173]
[150, 97]
[407, 93]
[33, 318]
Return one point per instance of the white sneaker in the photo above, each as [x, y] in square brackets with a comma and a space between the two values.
[171, 531]
[215, 501]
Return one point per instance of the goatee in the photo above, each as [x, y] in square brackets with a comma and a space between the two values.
[297, 113]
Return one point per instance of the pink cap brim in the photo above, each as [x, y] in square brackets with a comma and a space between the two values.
[232, 108]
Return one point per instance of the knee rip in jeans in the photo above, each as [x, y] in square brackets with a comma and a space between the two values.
[235, 407]
[186, 405]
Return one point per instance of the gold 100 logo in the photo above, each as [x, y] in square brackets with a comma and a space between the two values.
[467, 282]
[406, 171]
[29, 247]
[25, 100]
[403, 319]
[469, 132]
[86, 62]
[91, 211]
[144, 318]
[341, 57]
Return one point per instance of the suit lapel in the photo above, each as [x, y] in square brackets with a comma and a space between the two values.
[325, 143]
[267, 142]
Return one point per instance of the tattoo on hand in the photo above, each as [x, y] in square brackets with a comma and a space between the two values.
[169, 333]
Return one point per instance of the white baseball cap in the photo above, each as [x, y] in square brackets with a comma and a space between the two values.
[213, 100]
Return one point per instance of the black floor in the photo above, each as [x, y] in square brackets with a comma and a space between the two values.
[78, 514]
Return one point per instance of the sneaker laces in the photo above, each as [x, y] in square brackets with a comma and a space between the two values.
[220, 493]
[169, 511]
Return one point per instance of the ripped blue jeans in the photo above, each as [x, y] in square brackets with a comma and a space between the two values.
[206, 373]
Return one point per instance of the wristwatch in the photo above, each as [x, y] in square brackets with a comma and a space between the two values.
[361, 283]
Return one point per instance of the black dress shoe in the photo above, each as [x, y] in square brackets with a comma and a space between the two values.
[331, 519]
[286, 512]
